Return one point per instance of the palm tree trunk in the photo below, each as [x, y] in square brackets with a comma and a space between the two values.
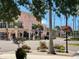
[7, 38]
[61, 21]
[39, 28]
[51, 47]
[66, 34]
[73, 27]
[78, 27]
[54, 21]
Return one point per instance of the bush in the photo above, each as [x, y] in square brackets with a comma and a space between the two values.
[61, 51]
[42, 46]
[20, 53]
[59, 48]
[26, 48]
[74, 39]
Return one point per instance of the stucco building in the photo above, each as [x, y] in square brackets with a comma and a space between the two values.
[25, 22]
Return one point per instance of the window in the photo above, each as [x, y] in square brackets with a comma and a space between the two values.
[2, 25]
[11, 25]
[20, 24]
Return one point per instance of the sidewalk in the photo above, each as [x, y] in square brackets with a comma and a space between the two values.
[30, 56]
[34, 55]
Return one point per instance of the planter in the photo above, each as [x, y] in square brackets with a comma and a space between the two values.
[43, 50]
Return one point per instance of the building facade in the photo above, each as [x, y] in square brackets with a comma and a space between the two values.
[25, 22]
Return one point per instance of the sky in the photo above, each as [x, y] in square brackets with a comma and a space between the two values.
[59, 21]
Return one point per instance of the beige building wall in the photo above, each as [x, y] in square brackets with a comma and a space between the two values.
[27, 21]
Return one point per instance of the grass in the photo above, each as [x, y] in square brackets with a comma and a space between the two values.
[60, 48]
[74, 44]
[73, 39]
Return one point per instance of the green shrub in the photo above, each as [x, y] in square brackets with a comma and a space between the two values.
[74, 44]
[26, 47]
[61, 51]
[77, 39]
[59, 48]
[73, 39]
[20, 53]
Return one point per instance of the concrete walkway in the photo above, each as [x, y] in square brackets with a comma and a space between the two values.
[12, 56]
[37, 55]
[7, 49]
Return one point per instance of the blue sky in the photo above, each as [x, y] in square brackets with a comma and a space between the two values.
[58, 20]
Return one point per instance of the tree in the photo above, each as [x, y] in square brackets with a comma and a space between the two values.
[57, 27]
[8, 11]
[73, 26]
[54, 21]
[34, 26]
[78, 27]
[37, 28]
[38, 9]
[51, 47]
[67, 8]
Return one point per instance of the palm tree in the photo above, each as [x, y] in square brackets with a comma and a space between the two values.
[61, 21]
[73, 27]
[38, 9]
[51, 47]
[9, 12]
[54, 21]
[67, 8]
[78, 27]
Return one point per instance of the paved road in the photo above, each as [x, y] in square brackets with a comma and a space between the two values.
[10, 46]
[76, 57]
[6, 46]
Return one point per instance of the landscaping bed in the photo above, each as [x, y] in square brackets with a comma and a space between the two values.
[73, 39]
[74, 44]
